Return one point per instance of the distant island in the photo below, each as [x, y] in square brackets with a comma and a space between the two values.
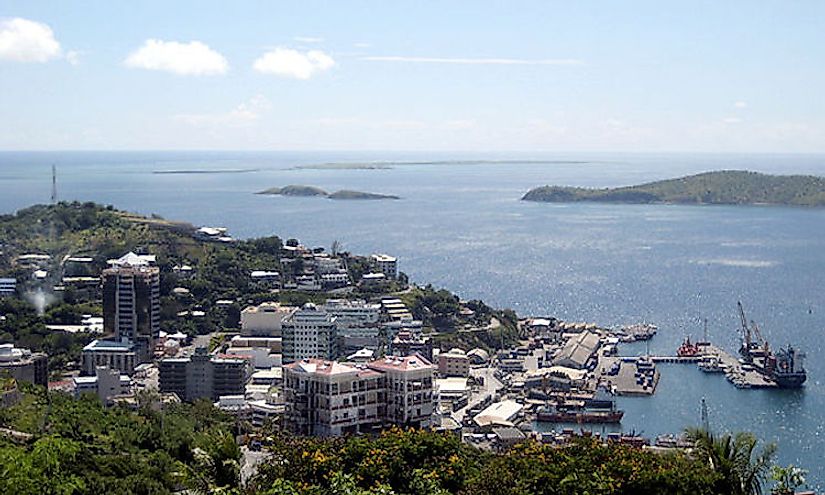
[726, 187]
[389, 164]
[310, 191]
[206, 171]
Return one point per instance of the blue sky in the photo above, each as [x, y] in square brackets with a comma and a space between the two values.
[511, 75]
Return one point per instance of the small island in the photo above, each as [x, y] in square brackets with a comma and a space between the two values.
[726, 187]
[311, 191]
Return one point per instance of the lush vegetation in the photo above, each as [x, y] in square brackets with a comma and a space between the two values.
[80, 447]
[722, 187]
[317, 191]
[54, 444]
[426, 463]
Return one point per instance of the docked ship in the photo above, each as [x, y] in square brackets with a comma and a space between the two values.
[785, 367]
[597, 410]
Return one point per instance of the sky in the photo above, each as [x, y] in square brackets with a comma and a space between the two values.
[703, 76]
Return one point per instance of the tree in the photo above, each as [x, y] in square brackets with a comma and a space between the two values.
[732, 457]
[787, 479]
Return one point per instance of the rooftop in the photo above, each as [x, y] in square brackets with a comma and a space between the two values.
[397, 363]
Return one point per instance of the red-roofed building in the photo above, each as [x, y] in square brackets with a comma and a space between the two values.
[328, 398]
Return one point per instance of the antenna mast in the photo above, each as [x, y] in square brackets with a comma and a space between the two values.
[704, 415]
[54, 184]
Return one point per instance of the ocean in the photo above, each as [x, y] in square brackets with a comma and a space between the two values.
[460, 225]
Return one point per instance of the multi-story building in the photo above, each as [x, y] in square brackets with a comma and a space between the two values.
[203, 376]
[409, 382]
[329, 398]
[8, 286]
[131, 302]
[264, 320]
[106, 384]
[24, 365]
[309, 333]
[455, 362]
[120, 355]
[386, 264]
[353, 314]
[407, 343]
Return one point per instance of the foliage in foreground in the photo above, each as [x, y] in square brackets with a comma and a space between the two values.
[420, 462]
[80, 447]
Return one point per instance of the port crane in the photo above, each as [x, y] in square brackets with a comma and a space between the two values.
[752, 341]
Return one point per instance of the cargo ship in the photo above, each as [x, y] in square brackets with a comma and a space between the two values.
[785, 367]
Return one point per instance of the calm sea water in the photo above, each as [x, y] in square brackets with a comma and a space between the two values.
[464, 228]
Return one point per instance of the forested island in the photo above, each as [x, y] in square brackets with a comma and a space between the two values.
[726, 187]
[311, 191]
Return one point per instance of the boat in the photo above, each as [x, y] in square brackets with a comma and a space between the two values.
[688, 349]
[597, 410]
[639, 331]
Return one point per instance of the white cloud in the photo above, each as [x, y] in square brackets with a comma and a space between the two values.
[244, 114]
[731, 120]
[22, 40]
[190, 59]
[474, 61]
[308, 39]
[740, 104]
[286, 62]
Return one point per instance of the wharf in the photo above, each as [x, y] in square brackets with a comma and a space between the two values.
[625, 382]
[740, 377]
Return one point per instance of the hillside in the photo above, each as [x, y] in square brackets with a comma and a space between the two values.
[728, 187]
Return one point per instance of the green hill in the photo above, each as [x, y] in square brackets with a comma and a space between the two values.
[728, 187]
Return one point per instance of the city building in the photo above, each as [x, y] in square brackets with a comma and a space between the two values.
[309, 332]
[395, 310]
[265, 319]
[24, 365]
[326, 398]
[120, 355]
[386, 264]
[578, 350]
[353, 314]
[266, 278]
[407, 343]
[409, 382]
[8, 287]
[203, 376]
[455, 362]
[131, 302]
[106, 384]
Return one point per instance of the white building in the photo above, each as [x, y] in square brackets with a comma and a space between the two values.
[386, 264]
[310, 332]
[266, 319]
[266, 278]
[353, 314]
[105, 384]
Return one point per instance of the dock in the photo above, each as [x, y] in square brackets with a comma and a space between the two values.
[626, 381]
[735, 374]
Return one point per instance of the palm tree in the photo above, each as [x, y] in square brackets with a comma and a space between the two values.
[732, 457]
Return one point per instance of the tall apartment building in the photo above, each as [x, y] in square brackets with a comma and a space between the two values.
[455, 362]
[24, 365]
[203, 376]
[131, 302]
[309, 333]
[386, 264]
[409, 382]
[328, 398]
